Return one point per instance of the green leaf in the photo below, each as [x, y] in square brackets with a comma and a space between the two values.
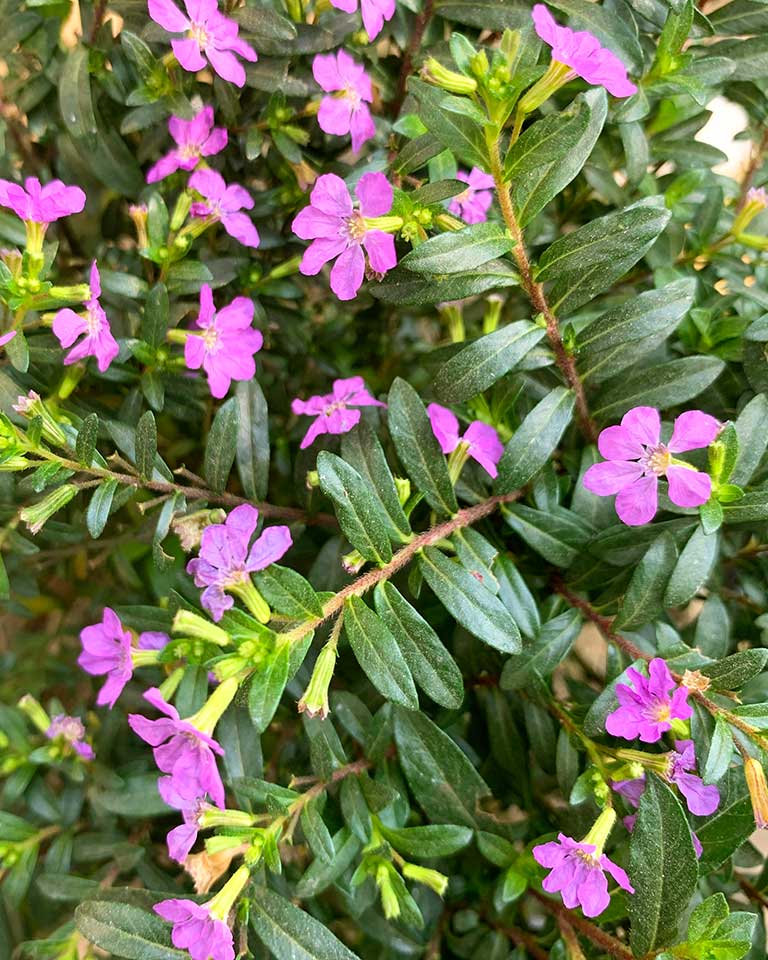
[97, 514]
[362, 450]
[734, 671]
[460, 250]
[469, 602]
[442, 779]
[697, 558]
[321, 874]
[87, 435]
[252, 452]
[401, 286]
[644, 598]
[146, 444]
[433, 840]
[315, 831]
[713, 628]
[479, 365]
[724, 831]
[535, 440]
[359, 513]
[586, 262]
[548, 650]
[221, 445]
[378, 654]
[752, 437]
[463, 136]
[476, 555]
[516, 597]
[154, 323]
[720, 753]
[432, 666]
[558, 535]
[124, 930]
[75, 99]
[292, 934]
[417, 154]
[288, 593]
[418, 448]
[615, 340]
[267, 685]
[662, 385]
[662, 867]
[437, 192]
[707, 917]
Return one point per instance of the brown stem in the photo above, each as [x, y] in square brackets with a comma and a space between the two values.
[753, 893]
[98, 18]
[599, 937]
[535, 293]
[570, 939]
[419, 27]
[464, 518]
[756, 160]
[522, 938]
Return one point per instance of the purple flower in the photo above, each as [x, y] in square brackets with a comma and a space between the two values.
[92, 325]
[635, 458]
[331, 410]
[208, 33]
[41, 204]
[7, 337]
[194, 138]
[181, 839]
[195, 930]
[72, 732]
[223, 203]
[374, 12]
[107, 650]
[702, 799]
[226, 347]
[338, 231]
[346, 112]
[758, 196]
[225, 561]
[632, 791]
[481, 439]
[646, 709]
[583, 53]
[577, 872]
[181, 750]
[473, 204]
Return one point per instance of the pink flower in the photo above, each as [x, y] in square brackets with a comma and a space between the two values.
[194, 138]
[646, 709]
[181, 750]
[347, 111]
[331, 410]
[7, 337]
[632, 791]
[207, 32]
[225, 560]
[225, 350]
[41, 204]
[374, 12]
[195, 930]
[97, 341]
[757, 195]
[702, 799]
[339, 231]
[481, 439]
[223, 203]
[578, 874]
[70, 731]
[583, 53]
[636, 458]
[181, 839]
[107, 650]
[473, 204]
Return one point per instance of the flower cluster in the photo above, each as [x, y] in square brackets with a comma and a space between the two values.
[332, 410]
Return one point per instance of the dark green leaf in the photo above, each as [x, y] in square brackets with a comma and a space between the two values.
[459, 133]
[287, 592]
[558, 535]
[221, 445]
[97, 513]
[549, 648]
[146, 444]
[535, 440]
[292, 934]
[401, 286]
[126, 931]
[378, 654]
[252, 452]
[154, 323]
[362, 450]
[460, 250]
[644, 599]
[87, 435]
[267, 685]
[697, 558]
[724, 831]
[734, 671]
[433, 840]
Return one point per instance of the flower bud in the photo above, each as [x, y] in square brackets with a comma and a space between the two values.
[403, 487]
[430, 878]
[353, 562]
[193, 625]
[35, 712]
[758, 791]
[138, 213]
[389, 899]
[38, 514]
[180, 211]
[315, 699]
[434, 72]
[756, 201]
[32, 405]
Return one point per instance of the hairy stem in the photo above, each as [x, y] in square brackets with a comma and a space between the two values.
[464, 518]
[419, 27]
[599, 937]
[535, 293]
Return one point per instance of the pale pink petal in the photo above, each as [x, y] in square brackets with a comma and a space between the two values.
[361, 127]
[375, 12]
[445, 426]
[208, 183]
[347, 273]
[188, 54]
[325, 70]
[348, 6]
[207, 308]
[616, 443]
[330, 195]
[164, 167]
[215, 143]
[309, 224]
[67, 326]
[609, 477]
[687, 487]
[273, 543]
[484, 446]
[168, 15]
[237, 315]
[693, 430]
[335, 115]
[375, 194]
[239, 226]
[544, 23]
[380, 248]
[226, 65]
[320, 252]
[636, 503]
[194, 352]
[7, 337]
[643, 424]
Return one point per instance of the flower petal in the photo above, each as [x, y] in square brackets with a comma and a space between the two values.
[692, 431]
[636, 503]
[688, 487]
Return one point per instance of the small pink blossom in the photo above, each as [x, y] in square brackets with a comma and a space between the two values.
[223, 203]
[194, 139]
[340, 232]
[181, 839]
[7, 337]
[648, 707]
[758, 196]
[374, 12]
[636, 459]
[578, 874]
[227, 345]
[583, 53]
[481, 439]
[227, 558]
[473, 204]
[207, 33]
[38, 204]
[331, 410]
[71, 731]
[702, 799]
[92, 325]
[632, 791]
[195, 930]
[346, 111]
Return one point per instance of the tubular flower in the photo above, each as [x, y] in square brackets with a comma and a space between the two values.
[635, 459]
[223, 204]
[346, 111]
[194, 138]
[646, 709]
[374, 13]
[480, 439]
[208, 34]
[472, 204]
[340, 232]
[92, 325]
[331, 410]
[42, 205]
